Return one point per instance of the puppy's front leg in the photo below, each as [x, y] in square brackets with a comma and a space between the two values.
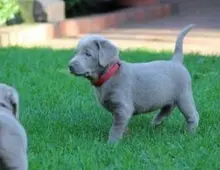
[121, 119]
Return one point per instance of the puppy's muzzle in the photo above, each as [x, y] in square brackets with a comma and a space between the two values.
[73, 66]
[76, 68]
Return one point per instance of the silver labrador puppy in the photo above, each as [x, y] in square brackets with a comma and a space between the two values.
[127, 89]
[13, 138]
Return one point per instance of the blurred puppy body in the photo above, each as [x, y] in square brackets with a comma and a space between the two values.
[13, 138]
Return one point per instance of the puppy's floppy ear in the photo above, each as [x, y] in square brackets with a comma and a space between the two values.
[13, 98]
[108, 52]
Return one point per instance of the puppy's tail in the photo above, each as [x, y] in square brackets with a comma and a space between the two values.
[178, 52]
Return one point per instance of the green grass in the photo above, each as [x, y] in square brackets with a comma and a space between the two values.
[67, 129]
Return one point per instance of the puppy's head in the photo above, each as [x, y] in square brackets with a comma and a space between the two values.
[9, 99]
[93, 54]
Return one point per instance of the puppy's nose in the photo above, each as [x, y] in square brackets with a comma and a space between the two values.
[73, 65]
[71, 68]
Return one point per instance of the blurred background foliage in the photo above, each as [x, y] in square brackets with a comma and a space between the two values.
[8, 10]
[87, 7]
[21, 11]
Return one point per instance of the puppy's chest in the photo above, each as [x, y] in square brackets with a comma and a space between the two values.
[108, 100]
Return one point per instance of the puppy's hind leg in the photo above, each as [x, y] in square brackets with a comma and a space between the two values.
[187, 106]
[164, 112]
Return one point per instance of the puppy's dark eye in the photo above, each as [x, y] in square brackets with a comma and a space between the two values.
[88, 53]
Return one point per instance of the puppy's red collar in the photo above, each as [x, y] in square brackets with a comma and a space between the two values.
[110, 72]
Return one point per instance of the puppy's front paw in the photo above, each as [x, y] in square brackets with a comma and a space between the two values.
[112, 141]
[191, 128]
[127, 132]
[192, 125]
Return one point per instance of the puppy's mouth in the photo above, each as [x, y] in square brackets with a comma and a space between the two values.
[76, 72]
[81, 74]
[87, 74]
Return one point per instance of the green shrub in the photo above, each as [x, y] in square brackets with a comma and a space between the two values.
[26, 9]
[8, 9]
[71, 3]
[81, 7]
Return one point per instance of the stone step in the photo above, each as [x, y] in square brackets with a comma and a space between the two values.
[97, 23]
[15, 35]
[160, 33]
[154, 39]
[203, 47]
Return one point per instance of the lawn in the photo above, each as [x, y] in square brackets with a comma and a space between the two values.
[67, 129]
